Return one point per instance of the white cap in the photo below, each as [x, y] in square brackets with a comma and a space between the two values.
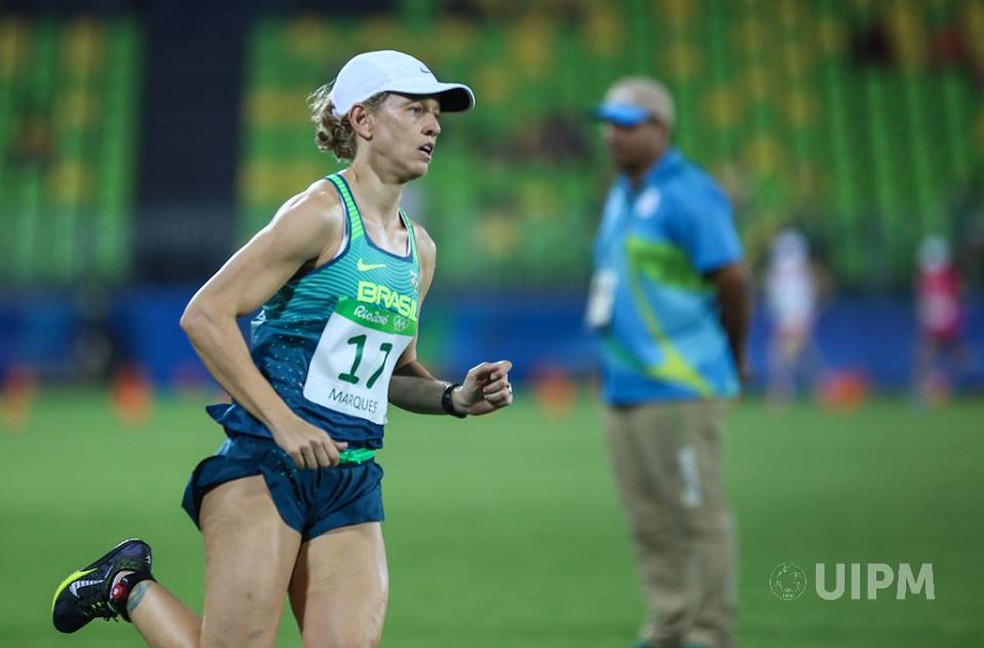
[370, 73]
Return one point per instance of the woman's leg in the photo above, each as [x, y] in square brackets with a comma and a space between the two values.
[340, 588]
[249, 558]
[161, 618]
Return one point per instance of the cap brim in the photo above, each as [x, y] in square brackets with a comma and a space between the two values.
[453, 97]
[622, 114]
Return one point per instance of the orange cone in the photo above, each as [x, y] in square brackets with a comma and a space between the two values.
[17, 396]
[556, 392]
[132, 396]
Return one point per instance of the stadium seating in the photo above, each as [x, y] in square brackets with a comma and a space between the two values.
[774, 98]
[860, 120]
[68, 113]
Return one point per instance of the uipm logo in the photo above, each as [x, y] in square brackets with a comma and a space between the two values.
[879, 577]
[788, 581]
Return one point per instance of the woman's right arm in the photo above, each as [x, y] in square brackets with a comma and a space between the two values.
[306, 230]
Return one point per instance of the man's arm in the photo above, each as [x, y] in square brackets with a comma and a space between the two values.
[735, 302]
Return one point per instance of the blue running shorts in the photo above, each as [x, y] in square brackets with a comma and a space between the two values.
[311, 501]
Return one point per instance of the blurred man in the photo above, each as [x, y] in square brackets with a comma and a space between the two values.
[670, 305]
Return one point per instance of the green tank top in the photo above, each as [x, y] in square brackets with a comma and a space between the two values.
[329, 339]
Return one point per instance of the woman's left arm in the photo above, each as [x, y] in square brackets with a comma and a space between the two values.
[412, 387]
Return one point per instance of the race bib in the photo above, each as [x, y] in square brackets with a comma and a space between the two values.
[355, 357]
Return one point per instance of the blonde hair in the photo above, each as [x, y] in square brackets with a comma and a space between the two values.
[332, 133]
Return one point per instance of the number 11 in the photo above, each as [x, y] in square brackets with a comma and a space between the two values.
[359, 341]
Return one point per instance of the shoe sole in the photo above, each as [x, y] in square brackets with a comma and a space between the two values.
[88, 569]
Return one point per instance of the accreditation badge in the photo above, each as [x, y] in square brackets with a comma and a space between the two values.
[601, 299]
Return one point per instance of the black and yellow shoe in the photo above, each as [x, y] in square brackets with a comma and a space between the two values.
[85, 595]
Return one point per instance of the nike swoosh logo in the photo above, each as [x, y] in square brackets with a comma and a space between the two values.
[362, 266]
[74, 587]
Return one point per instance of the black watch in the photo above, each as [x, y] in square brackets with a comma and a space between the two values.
[447, 405]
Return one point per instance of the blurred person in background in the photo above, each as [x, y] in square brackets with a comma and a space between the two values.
[940, 315]
[670, 304]
[792, 290]
[291, 503]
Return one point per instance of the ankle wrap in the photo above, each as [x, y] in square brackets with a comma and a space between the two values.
[121, 591]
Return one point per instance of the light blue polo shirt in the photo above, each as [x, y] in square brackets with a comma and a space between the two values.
[664, 340]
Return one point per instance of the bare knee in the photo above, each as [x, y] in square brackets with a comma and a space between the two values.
[345, 639]
[359, 627]
[347, 635]
[244, 633]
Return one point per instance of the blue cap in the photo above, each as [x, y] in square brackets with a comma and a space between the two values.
[622, 114]
[634, 100]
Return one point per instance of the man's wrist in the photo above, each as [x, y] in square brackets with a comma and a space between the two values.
[447, 401]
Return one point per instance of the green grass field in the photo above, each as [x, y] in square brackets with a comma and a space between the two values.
[505, 532]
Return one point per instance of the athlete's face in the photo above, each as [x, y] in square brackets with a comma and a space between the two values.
[405, 133]
[635, 148]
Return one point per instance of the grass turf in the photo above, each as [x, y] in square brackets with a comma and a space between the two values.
[505, 531]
